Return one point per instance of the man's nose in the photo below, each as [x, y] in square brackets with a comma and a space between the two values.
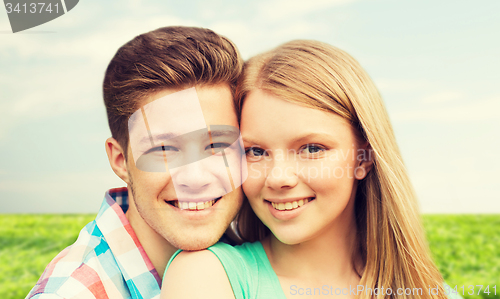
[194, 175]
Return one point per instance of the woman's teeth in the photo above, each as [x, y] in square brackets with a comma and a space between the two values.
[184, 205]
[291, 205]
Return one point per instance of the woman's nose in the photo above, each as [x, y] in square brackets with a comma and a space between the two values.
[281, 176]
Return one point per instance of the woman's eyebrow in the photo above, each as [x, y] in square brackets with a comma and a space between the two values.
[299, 139]
[250, 140]
[314, 135]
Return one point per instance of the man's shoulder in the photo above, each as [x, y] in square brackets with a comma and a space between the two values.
[86, 268]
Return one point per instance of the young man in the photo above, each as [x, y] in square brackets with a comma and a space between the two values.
[169, 100]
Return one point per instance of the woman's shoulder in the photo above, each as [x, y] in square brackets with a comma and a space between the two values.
[249, 270]
[245, 252]
[195, 274]
[222, 271]
[240, 261]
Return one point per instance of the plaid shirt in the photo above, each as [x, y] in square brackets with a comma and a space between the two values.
[107, 260]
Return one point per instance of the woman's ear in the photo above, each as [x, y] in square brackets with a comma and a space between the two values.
[364, 161]
[117, 160]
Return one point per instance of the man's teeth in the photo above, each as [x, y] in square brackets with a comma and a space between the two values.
[290, 205]
[184, 205]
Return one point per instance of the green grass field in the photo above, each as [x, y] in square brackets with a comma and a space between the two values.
[466, 249]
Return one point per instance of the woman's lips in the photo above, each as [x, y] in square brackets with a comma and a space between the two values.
[286, 209]
[290, 205]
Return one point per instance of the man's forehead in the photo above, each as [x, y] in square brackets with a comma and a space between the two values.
[179, 112]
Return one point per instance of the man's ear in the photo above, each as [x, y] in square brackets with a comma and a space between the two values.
[364, 161]
[116, 157]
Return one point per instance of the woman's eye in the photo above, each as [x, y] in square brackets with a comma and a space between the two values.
[312, 149]
[255, 152]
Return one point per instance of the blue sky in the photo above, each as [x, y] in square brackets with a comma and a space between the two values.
[436, 64]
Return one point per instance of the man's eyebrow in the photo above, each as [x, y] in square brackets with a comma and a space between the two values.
[214, 133]
[161, 136]
[225, 132]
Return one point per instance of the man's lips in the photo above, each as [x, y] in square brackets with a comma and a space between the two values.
[193, 204]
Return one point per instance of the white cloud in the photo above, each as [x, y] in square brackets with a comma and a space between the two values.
[467, 191]
[400, 85]
[50, 87]
[278, 10]
[252, 40]
[472, 110]
[58, 193]
[442, 97]
[41, 95]
[98, 45]
[259, 33]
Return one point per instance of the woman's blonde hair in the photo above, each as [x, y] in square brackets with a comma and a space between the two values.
[391, 239]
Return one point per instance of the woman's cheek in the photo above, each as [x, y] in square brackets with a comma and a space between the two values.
[255, 178]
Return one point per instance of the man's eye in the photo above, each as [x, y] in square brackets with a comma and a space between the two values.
[312, 149]
[164, 148]
[255, 152]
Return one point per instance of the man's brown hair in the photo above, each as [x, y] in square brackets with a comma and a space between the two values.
[167, 57]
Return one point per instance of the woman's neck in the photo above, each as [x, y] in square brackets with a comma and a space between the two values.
[325, 259]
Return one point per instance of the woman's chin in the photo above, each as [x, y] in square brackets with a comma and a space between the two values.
[289, 237]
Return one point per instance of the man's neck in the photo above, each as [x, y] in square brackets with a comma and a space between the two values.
[156, 247]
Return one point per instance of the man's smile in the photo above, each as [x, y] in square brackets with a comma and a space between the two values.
[193, 204]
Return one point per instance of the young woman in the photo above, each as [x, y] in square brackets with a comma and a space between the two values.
[330, 210]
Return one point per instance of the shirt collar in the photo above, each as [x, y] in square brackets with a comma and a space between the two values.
[137, 269]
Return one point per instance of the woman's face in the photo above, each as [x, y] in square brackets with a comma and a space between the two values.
[303, 165]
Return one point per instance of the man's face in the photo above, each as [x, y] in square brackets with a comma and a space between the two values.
[186, 164]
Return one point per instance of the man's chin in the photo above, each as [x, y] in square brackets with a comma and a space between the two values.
[191, 243]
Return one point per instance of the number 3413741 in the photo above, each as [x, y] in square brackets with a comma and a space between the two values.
[472, 289]
[32, 8]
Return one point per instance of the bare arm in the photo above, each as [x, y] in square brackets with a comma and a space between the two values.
[197, 274]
